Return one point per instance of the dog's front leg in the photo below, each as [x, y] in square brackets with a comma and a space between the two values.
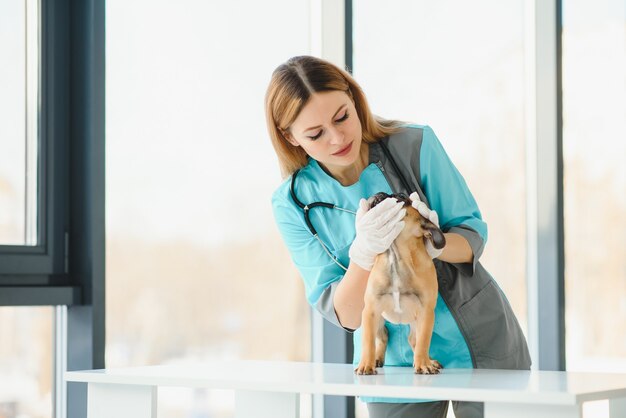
[422, 362]
[369, 323]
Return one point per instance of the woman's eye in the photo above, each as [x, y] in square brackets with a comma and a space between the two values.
[344, 117]
[341, 119]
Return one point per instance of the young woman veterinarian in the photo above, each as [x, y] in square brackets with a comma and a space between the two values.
[334, 153]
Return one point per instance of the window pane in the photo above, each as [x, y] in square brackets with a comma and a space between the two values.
[26, 357]
[594, 129]
[19, 50]
[196, 270]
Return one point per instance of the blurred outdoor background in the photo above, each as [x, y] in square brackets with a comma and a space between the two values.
[196, 269]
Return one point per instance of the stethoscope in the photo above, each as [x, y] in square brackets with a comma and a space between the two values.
[307, 208]
[307, 217]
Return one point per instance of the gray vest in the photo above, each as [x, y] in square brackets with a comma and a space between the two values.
[477, 303]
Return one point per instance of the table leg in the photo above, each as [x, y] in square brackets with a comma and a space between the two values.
[617, 408]
[256, 404]
[121, 401]
[514, 410]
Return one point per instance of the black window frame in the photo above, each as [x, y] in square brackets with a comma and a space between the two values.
[44, 263]
[67, 265]
[70, 159]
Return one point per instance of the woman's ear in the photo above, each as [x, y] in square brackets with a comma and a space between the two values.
[287, 135]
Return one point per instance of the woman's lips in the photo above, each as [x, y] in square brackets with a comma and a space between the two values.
[344, 151]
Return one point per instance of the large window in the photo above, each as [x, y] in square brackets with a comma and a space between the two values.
[194, 261]
[195, 267]
[594, 128]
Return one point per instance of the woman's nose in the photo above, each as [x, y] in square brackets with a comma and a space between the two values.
[336, 135]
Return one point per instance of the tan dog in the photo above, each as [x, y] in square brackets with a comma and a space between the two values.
[402, 288]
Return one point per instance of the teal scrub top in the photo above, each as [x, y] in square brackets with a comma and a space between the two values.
[447, 193]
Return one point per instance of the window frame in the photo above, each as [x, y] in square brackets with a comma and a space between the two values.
[66, 268]
[545, 246]
[44, 264]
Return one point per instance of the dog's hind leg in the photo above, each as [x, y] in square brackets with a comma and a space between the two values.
[381, 343]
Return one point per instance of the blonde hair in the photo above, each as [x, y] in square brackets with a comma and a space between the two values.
[292, 85]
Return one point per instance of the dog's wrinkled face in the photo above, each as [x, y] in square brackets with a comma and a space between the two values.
[415, 223]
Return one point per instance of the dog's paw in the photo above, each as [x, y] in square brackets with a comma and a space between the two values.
[427, 366]
[365, 368]
[380, 362]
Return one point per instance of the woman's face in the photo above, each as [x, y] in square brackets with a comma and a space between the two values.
[329, 130]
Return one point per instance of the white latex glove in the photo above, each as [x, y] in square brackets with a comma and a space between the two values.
[376, 229]
[432, 216]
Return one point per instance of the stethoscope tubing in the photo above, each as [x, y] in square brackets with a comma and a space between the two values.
[307, 219]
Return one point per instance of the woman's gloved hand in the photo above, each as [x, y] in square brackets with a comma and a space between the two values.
[432, 216]
[376, 229]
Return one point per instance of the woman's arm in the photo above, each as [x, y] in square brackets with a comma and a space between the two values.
[457, 249]
[349, 296]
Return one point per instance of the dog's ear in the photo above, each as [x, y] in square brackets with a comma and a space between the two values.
[434, 234]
